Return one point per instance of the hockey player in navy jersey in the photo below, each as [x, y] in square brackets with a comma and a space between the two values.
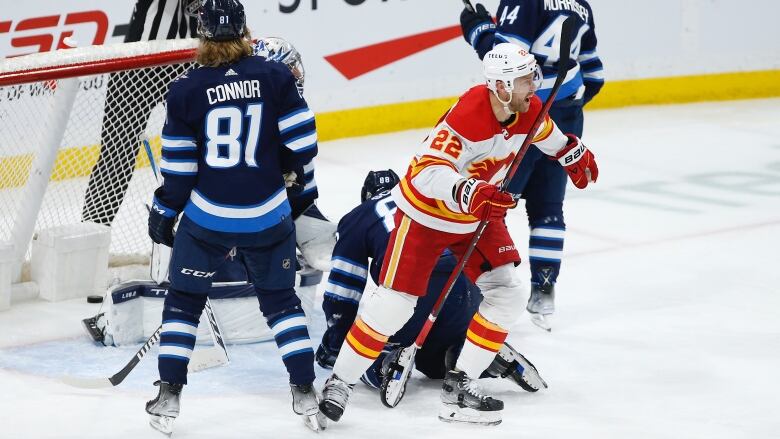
[234, 129]
[359, 253]
[535, 25]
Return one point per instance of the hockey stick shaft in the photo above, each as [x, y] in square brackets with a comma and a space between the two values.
[216, 333]
[563, 61]
[115, 379]
[468, 5]
[394, 386]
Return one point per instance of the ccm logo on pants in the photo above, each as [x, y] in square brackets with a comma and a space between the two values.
[197, 273]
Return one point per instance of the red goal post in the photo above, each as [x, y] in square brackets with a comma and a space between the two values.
[70, 128]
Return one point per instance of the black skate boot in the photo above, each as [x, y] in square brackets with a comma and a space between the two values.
[306, 404]
[463, 402]
[335, 395]
[164, 409]
[512, 365]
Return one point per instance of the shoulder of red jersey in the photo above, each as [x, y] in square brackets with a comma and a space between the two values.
[470, 116]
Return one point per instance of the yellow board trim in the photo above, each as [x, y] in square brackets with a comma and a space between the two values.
[70, 163]
[424, 114]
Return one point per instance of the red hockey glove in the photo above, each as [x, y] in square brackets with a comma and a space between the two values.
[578, 162]
[483, 200]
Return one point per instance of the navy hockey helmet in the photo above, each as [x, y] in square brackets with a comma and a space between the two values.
[219, 20]
[377, 182]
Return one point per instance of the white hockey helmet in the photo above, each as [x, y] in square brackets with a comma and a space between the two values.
[281, 50]
[507, 61]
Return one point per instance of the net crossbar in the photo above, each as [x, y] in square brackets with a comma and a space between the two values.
[99, 171]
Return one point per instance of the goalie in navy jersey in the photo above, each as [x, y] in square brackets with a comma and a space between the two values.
[535, 25]
[234, 130]
[363, 234]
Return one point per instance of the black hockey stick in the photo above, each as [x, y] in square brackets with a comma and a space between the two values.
[205, 358]
[468, 6]
[395, 380]
[201, 358]
[115, 379]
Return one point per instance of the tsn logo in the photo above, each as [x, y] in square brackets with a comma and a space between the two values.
[49, 32]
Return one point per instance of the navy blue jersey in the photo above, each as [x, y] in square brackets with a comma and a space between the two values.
[362, 238]
[535, 25]
[230, 134]
[363, 234]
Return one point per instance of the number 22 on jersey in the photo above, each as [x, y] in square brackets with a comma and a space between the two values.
[447, 143]
[225, 127]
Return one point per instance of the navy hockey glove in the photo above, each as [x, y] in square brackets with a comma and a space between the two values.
[161, 221]
[475, 24]
[325, 357]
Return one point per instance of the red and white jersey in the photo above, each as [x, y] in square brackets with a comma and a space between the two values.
[467, 142]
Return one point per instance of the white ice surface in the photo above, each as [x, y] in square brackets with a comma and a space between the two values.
[668, 320]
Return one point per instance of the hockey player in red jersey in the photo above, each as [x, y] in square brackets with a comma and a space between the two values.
[449, 187]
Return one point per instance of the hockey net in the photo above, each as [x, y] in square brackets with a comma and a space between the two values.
[65, 160]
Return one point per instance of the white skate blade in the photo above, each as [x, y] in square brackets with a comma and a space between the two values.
[465, 415]
[163, 424]
[316, 422]
[541, 321]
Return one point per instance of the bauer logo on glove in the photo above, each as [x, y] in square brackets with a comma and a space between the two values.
[578, 162]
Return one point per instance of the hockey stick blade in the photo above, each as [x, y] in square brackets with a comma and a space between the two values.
[201, 359]
[87, 383]
[206, 359]
[96, 383]
[396, 377]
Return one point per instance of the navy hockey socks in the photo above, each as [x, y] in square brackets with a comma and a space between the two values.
[545, 251]
[181, 314]
[284, 315]
[292, 338]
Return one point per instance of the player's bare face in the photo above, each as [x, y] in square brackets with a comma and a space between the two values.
[524, 90]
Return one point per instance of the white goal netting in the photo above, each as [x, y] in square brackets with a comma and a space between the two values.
[99, 170]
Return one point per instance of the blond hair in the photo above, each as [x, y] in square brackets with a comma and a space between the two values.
[217, 53]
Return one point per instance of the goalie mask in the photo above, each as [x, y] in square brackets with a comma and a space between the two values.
[280, 50]
[507, 62]
[377, 182]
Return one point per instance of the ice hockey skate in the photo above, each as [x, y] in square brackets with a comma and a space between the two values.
[512, 365]
[541, 305]
[306, 404]
[463, 402]
[396, 370]
[335, 395]
[164, 409]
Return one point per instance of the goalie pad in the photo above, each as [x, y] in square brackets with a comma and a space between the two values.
[135, 309]
[315, 236]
